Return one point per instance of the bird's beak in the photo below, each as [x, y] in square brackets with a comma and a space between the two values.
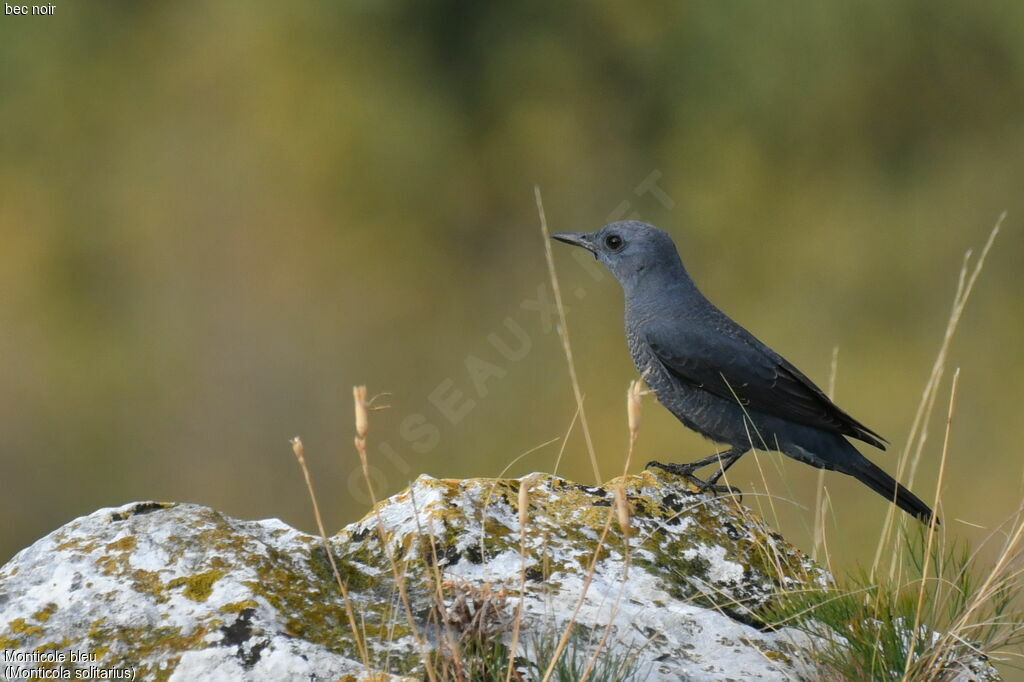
[576, 239]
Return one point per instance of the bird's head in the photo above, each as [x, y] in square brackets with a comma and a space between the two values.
[632, 250]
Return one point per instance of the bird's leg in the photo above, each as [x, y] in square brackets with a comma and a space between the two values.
[725, 459]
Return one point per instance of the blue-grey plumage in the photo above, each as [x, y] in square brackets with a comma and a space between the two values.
[717, 378]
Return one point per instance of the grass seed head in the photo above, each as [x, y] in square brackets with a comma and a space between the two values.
[524, 502]
[622, 510]
[633, 396]
[362, 422]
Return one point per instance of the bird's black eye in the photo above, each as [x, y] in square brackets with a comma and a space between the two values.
[613, 242]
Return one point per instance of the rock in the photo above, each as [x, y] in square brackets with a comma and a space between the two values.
[182, 592]
[173, 591]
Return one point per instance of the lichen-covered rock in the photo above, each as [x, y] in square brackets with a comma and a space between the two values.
[679, 592]
[181, 592]
[171, 591]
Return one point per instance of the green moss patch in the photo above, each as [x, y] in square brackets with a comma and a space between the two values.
[199, 586]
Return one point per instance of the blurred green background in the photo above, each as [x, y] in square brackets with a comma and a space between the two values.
[215, 218]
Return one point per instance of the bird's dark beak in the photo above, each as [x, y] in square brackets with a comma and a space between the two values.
[576, 239]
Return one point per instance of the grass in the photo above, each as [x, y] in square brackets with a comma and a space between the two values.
[578, 660]
[948, 615]
[929, 608]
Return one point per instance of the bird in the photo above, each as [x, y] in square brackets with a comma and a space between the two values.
[717, 378]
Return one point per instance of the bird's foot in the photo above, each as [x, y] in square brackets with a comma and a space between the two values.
[686, 471]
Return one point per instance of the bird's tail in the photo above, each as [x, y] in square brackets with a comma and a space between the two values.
[886, 486]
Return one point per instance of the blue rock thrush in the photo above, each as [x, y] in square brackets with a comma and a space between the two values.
[717, 378]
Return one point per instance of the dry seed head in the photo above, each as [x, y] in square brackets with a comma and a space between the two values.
[633, 406]
[362, 423]
[622, 510]
[524, 502]
[297, 446]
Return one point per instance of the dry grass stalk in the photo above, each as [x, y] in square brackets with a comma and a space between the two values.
[633, 415]
[362, 406]
[933, 526]
[300, 455]
[565, 441]
[567, 632]
[919, 426]
[521, 455]
[634, 395]
[819, 495]
[524, 518]
[634, 401]
[447, 638]
[563, 333]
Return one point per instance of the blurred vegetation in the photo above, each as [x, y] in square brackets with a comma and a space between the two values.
[216, 218]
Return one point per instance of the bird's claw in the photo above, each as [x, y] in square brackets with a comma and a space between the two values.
[686, 471]
[678, 469]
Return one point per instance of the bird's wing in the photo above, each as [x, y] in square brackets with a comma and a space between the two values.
[735, 367]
